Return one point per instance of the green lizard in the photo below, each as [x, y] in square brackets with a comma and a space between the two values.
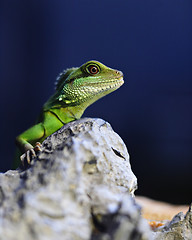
[76, 89]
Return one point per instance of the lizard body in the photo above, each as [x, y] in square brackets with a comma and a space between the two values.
[76, 89]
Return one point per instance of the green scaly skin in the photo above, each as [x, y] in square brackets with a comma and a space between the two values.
[76, 89]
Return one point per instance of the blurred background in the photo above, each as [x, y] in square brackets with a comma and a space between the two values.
[150, 41]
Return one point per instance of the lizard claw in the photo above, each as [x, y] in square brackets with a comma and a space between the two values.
[29, 154]
[38, 147]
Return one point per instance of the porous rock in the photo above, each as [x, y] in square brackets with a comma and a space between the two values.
[79, 187]
[179, 228]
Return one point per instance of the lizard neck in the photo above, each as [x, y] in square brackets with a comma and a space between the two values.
[64, 112]
[68, 114]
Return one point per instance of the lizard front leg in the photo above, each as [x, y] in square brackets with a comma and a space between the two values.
[29, 142]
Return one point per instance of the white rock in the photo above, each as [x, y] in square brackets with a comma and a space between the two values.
[78, 188]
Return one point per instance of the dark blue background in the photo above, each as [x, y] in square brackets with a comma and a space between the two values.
[150, 41]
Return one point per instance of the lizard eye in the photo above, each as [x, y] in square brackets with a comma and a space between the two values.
[92, 69]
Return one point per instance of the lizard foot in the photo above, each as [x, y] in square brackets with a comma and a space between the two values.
[29, 154]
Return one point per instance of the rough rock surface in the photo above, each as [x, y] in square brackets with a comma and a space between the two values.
[179, 228]
[78, 187]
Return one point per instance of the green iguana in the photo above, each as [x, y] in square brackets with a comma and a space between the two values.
[76, 89]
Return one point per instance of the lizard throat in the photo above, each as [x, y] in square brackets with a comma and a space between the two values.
[94, 91]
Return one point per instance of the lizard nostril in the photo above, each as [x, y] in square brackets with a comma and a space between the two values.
[119, 73]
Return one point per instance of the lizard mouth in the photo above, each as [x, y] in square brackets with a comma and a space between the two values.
[109, 84]
[120, 81]
[116, 83]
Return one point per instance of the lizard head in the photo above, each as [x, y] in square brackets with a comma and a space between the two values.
[88, 83]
